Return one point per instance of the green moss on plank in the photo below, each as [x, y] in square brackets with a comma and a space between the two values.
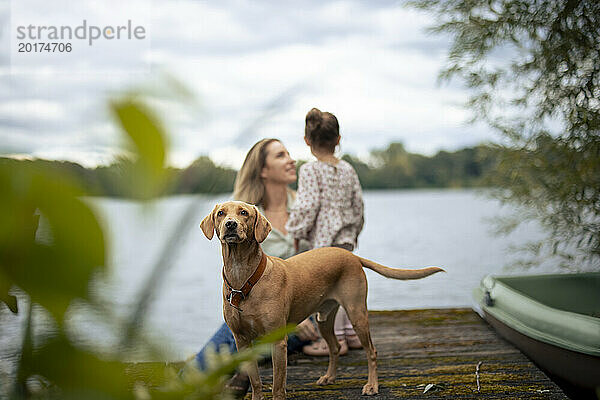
[415, 348]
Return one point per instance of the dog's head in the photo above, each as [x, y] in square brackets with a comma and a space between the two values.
[236, 222]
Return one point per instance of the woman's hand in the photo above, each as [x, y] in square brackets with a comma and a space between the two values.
[306, 331]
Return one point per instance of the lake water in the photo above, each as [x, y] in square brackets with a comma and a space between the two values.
[413, 228]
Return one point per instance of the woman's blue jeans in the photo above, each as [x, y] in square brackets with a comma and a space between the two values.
[224, 337]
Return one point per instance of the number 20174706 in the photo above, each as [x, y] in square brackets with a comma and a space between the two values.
[44, 47]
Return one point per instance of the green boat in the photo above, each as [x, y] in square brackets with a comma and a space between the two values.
[553, 319]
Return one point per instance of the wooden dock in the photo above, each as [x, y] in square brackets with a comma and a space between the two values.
[416, 348]
[420, 347]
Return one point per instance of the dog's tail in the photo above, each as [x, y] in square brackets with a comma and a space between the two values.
[397, 273]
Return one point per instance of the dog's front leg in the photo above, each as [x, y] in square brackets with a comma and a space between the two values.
[253, 373]
[255, 381]
[279, 369]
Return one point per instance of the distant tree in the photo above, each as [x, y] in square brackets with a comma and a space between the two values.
[395, 167]
[121, 177]
[361, 168]
[203, 176]
[533, 69]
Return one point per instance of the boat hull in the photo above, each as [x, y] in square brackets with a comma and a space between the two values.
[553, 319]
[579, 369]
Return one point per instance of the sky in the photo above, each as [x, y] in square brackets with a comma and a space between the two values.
[254, 68]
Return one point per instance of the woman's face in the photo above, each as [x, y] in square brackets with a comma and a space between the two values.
[279, 166]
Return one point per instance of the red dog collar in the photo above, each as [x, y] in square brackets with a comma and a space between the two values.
[235, 296]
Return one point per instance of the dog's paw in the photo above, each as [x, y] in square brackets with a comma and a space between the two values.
[369, 389]
[256, 396]
[326, 380]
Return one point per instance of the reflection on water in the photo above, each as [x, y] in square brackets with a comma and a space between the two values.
[448, 228]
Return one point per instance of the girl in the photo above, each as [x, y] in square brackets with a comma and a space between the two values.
[329, 208]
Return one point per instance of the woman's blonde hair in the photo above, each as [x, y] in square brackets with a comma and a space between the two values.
[249, 186]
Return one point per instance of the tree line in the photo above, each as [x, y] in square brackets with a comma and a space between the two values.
[389, 168]
[527, 64]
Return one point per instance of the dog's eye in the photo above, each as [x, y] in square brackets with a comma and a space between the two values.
[244, 212]
[220, 213]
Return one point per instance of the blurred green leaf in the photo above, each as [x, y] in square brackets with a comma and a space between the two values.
[78, 374]
[149, 141]
[209, 384]
[53, 261]
[20, 387]
[9, 300]
[58, 269]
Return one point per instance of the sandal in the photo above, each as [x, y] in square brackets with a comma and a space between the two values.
[353, 341]
[237, 386]
[320, 348]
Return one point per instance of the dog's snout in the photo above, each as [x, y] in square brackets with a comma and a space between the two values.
[231, 225]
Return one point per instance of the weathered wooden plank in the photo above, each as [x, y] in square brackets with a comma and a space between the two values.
[419, 347]
[415, 348]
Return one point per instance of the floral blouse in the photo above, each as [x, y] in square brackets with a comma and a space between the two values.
[329, 206]
[279, 245]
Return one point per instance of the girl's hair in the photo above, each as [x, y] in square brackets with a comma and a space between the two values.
[322, 129]
[249, 186]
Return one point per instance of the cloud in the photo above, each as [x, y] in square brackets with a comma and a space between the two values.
[41, 110]
[257, 68]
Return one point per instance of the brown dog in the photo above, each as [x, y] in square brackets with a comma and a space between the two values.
[263, 293]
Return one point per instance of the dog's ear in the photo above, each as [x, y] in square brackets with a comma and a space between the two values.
[208, 224]
[262, 226]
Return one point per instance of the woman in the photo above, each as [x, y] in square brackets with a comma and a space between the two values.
[263, 180]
